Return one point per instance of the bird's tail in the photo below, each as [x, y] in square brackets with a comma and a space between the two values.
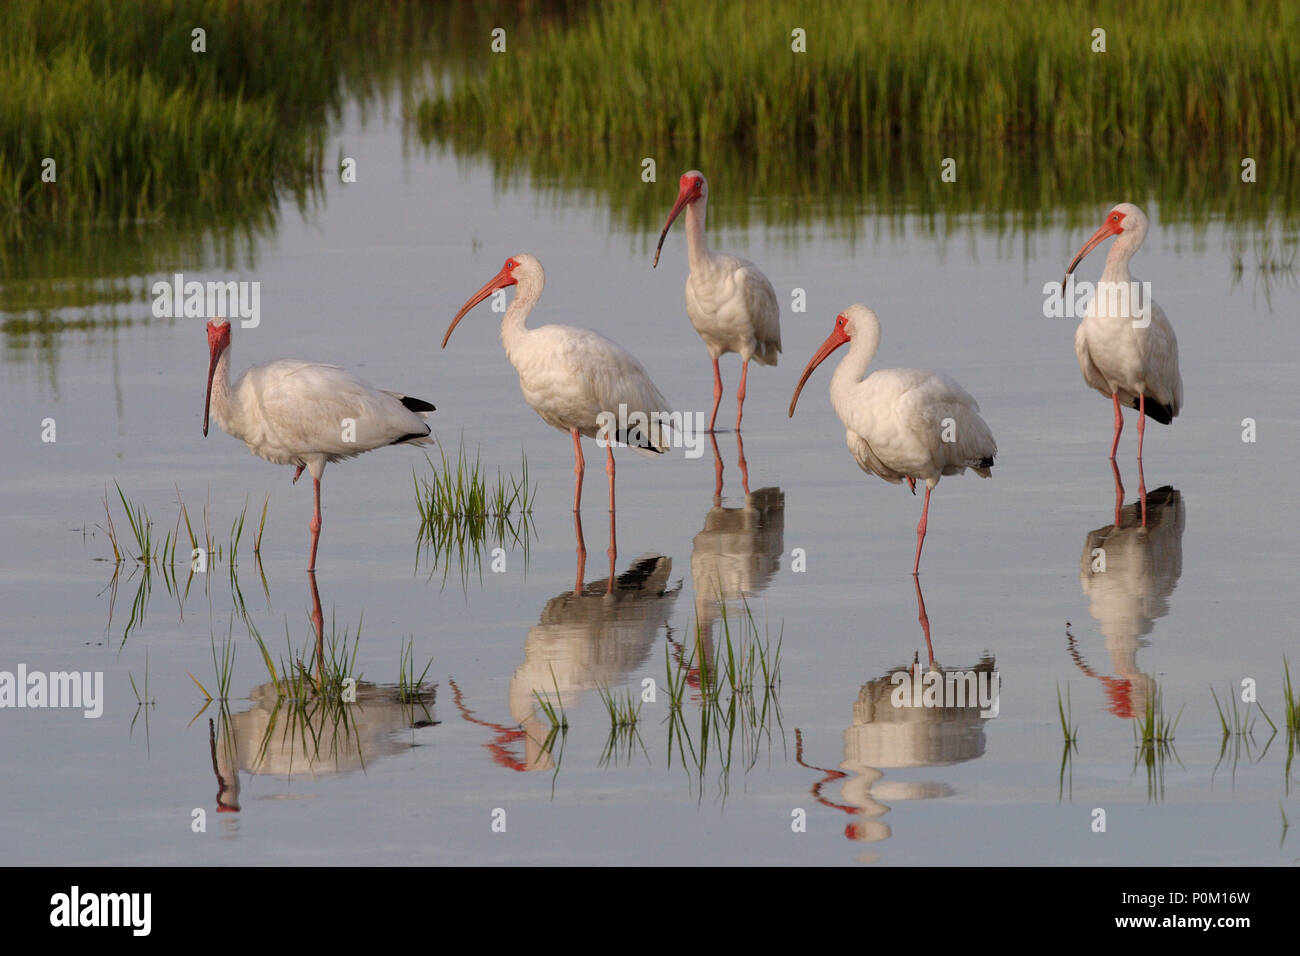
[1162, 413]
[767, 351]
[415, 438]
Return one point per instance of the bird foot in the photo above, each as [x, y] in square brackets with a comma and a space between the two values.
[298, 473]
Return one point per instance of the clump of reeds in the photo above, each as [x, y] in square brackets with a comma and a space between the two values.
[463, 511]
[698, 71]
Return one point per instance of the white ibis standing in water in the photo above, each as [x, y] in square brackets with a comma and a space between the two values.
[731, 304]
[1126, 352]
[576, 380]
[901, 423]
[306, 414]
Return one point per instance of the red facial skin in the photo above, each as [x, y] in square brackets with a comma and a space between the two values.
[690, 189]
[218, 342]
[1113, 226]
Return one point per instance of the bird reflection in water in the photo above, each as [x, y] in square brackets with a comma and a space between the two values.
[884, 736]
[1128, 570]
[591, 636]
[734, 557]
[306, 727]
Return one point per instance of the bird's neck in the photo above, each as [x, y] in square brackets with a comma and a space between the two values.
[697, 248]
[513, 325]
[851, 369]
[1117, 260]
[220, 406]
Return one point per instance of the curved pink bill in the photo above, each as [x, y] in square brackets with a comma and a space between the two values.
[498, 281]
[1107, 230]
[684, 197]
[207, 398]
[833, 341]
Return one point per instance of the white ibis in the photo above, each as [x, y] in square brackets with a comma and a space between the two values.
[901, 423]
[1128, 570]
[576, 380]
[306, 414]
[594, 637]
[731, 304]
[1124, 356]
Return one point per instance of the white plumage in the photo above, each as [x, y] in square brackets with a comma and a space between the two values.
[737, 553]
[729, 301]
[306, 414]
[901, 424]
[577, 380]
[1128, 570]
[591, 637]
[1130, 361]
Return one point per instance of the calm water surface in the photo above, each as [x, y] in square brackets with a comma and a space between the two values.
[1203, 597]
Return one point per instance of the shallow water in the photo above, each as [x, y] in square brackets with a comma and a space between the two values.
[369, 280]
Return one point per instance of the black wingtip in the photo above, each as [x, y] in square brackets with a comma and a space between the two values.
[986, 462]
[413, 436]
[1160, 412]
[637, 439]
[417, 405]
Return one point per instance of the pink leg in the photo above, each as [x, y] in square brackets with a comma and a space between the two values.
[920, 530]
[911, 483]
[315, 527]
[717, 393]
[613, 550]
[609, 470]
[717, 471]
[1119, 493]
[744, 465]
[1119, 424]
[740, 393]
[298, 473]
[579, 469]
[924, 619]
[1142, 421]
[1142, 492]
[317, 619]
[582, 552]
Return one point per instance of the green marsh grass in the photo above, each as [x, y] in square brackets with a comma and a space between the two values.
[173, 161]
[623, 710]
[138, 548]
[410, 687]
[143, 128]
[1069, 729]
[1070, 743]
[312, 709]
[464, 512]
[1153, 743]
[1035, 119]
[144, 702]
[1290, 701]
[552, 710]
[223, 666]
[412, 691]
[624, 713]
[697, 71]
[739, 698]
[1290, 718]
[1238, 731]
[557, 726]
